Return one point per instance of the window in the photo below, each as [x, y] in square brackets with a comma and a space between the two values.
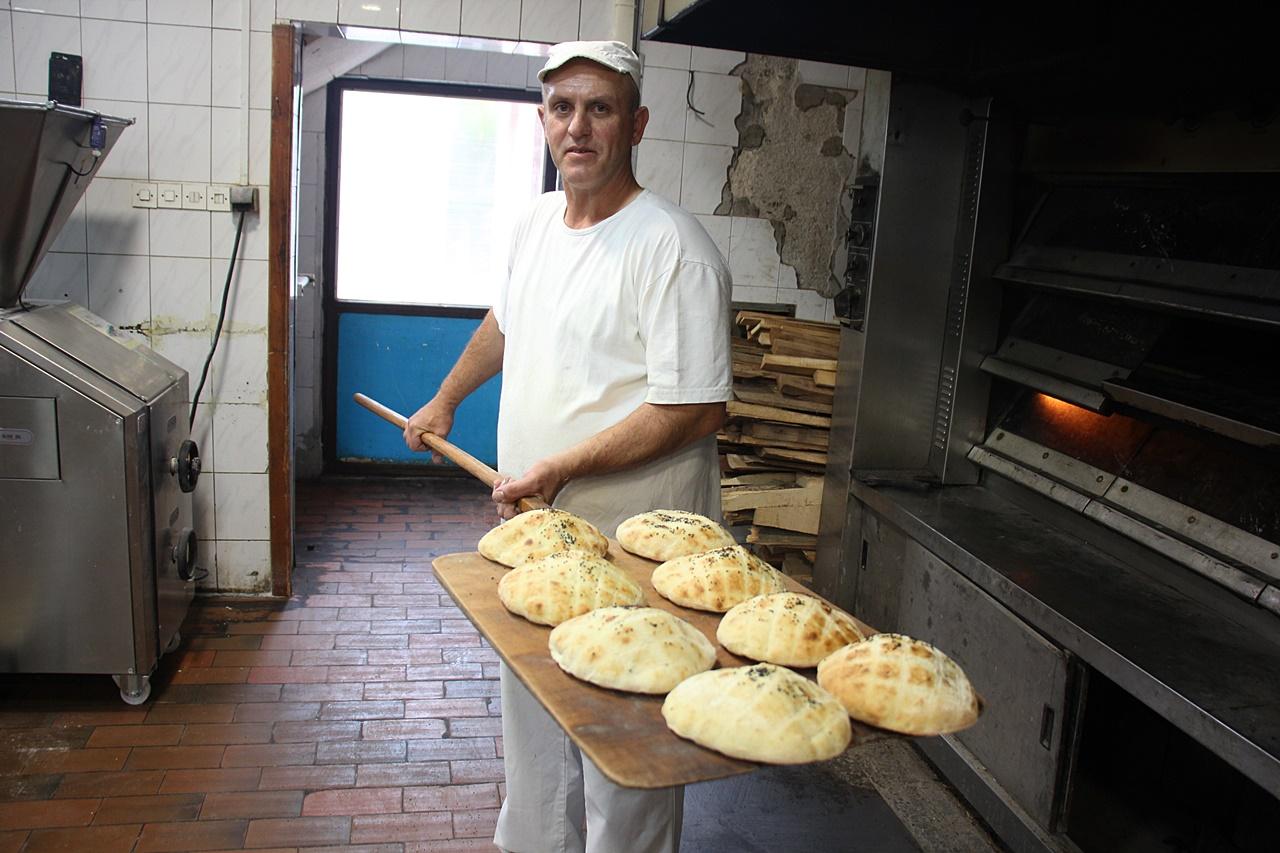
[430, 187]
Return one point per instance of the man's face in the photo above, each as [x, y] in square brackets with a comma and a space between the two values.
[589, 123]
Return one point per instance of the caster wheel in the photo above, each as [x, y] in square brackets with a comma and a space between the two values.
[134, 689]
[174, 642]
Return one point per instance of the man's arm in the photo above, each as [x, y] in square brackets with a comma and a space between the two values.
[650, 432]
[480, 361]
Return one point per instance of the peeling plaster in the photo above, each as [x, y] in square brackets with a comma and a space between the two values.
[791, 167]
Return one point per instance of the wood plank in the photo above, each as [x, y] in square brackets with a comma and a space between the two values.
[799, 518]
[799, 435]
[802, 386]
[781, 478]
[796, 364]
[781, 538]
[773, 397]
[794, 455]
[773, 413]
[824, 378]
[808, 493]
[623, 733]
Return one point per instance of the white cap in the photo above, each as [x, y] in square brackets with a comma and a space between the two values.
[611, 54]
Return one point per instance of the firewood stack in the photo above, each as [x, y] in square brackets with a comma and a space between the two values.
[773, 448]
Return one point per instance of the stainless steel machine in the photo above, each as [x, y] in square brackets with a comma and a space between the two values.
[1056, 439]
[96, 462]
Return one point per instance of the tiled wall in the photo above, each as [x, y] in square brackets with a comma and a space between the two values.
[175, 66]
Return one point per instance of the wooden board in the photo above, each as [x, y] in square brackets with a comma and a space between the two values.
[623, 733]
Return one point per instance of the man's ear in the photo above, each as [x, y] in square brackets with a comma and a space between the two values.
[641, 120]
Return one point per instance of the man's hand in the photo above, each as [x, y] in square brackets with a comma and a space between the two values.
[545, 478]
[435, 417]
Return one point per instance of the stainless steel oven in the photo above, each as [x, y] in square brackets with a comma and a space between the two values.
[96, 463]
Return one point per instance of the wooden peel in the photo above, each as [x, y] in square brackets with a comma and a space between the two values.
[452, 452]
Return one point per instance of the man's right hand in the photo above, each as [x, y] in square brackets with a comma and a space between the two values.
[436, 417]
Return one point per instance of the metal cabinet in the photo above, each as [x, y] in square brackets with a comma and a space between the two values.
[1023, 737]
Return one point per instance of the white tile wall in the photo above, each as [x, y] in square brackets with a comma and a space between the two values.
[753, 252]
[715, 61]
[658, 54]
[658, 167]
[195, 13]
[128, 158]
[114, 225]
[320, 11]
[179, 233]
[35, 36]
[6, 53]
[244, 565]
[114, 10]
[61, 276]
[179, 294]
[115, 60]
[664, 95]
[431, 16]
[240, 501]
[703, 176]
[719, 98]
[385, 13]
[492, 18]
[420, 63]
[595, 20]
[549, 21]
[120, 289]
[179, 143]
[238, 430]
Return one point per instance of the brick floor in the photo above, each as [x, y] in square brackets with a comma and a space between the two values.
[360, 714]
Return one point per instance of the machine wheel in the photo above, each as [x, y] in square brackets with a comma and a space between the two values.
[186, 465]
[134, 689]
[174, 642]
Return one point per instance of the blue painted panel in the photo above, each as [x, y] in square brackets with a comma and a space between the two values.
[400, 361]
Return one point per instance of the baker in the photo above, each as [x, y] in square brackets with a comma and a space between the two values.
[612, 334]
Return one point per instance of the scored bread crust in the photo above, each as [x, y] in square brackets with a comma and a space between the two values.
[538, 533]
[664, 534]
[759, 713]
[786, 628]
[637, 649]
[901, 684]
[561, 586]
[716, 580]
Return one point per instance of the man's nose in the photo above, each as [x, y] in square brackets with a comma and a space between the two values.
[579, 124]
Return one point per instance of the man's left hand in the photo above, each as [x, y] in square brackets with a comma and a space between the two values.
[544, 478]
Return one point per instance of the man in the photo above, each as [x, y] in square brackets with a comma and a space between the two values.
[612, 335]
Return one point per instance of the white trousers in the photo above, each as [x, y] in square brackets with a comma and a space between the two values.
[551, 789]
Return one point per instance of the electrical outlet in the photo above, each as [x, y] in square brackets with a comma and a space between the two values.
[169, 195]
[219, 197]
[244, 199]
[193, 196]
[144, 195]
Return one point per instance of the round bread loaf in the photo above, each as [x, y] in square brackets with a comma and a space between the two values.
[538, 533]
[786, 628]
[759, 713]
[664, 534]
[901, 684]
[638, 649]
[716, 580]
[561, 586]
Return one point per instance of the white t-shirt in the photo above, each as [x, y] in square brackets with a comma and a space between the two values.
[598, 320]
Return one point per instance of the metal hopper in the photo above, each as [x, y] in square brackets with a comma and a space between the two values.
[48, 155]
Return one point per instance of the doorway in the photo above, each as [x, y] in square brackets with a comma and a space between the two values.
[424, 183]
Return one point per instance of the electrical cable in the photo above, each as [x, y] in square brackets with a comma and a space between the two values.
[688, 99]
[222, 316]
